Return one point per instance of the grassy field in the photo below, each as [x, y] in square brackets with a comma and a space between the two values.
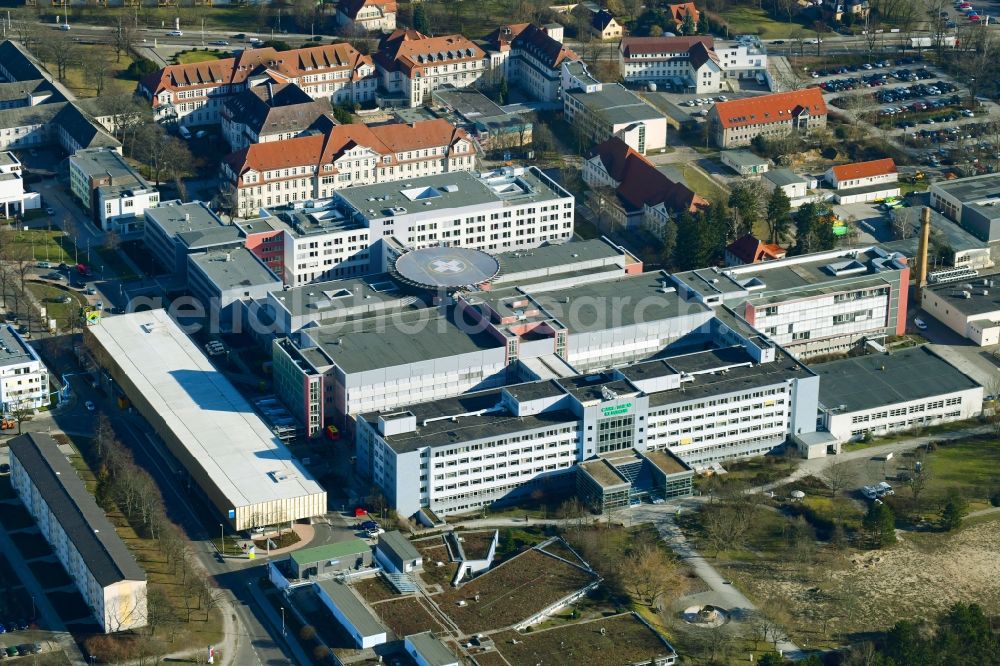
[54, 309]
[76, 79]
[744, 20]
[702, 184]
[187, 57]
[971, 467]
[43, 245]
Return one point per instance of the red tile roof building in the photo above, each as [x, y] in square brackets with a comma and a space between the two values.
[411, 64]
[740, 121]
[644, 196]
[679, 11]
[530, 57]
[862, 174]
[314, 167]
[367, 14]
[195, 93]
[751, 250]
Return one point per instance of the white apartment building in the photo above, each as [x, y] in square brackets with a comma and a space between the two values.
[114, 193]
[24, 379]
[690, 63]
[13, 198]
[411, 65]
[458, 454]
[314, 167]
[697, 64]
[85, 543]
[882, 393]
[194, 94]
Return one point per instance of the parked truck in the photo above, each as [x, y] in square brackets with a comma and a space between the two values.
[926, 42]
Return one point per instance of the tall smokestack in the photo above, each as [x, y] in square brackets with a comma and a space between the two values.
[922, 248]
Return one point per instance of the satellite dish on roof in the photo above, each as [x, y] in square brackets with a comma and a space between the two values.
[797, 494]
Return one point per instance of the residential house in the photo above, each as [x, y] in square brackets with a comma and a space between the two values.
[679, 12]
[411, 65]
[315, 166]
[272, 112]
[751, 250]
[195, 93]
[604, 26]
[642, 194]
[367, 15]
[738, 122]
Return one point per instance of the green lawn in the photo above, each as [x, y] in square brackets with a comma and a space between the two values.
[47, 295]
[702, 184]
[745, 20]
[970, 466]
[187, 57]
[43, 245]
[237, 19]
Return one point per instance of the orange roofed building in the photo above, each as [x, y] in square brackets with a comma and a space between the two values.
[752, 250]
[315, 166]
[862, 182]
[194, 94]
[411, 65]
[644, 196]
[740, 121]
[680, 10]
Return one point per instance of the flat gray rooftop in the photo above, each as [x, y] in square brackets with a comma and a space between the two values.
[352, 607]
[974, 188]
[104, 162]
[627, 301]
[469, 103]
[234, 268]
[326, 218]
[558, 258]
[782, 177]
[444, 432]
[7, 158]
[744, 158]
[398, 339]
[978, 304]
[615, 104]
[866, 382]
[823, 269]
[228, 234]
[431, 650]
[175, 217]
[707, 384]
[13, 349]
[336, 295]
[447, 191]
[943, 230]
[604, 473]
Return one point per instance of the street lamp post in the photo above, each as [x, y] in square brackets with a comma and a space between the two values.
[222, 540]
[282, 620]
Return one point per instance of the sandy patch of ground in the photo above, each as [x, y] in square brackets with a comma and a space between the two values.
[859, 592]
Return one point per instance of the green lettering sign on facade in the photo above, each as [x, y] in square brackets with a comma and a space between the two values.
[615, 410]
